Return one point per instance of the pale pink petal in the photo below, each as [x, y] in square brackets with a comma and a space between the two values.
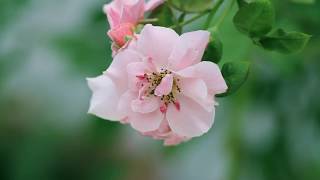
[157, 43]
[150, 64]
[152, 4]
[124, 105]
[132, 12]
[136, 73]
[117, 71]
[142, 91]
[119, 33]
[165, 87]
[124, 11]
[146, 122]
[162, 132]
[140, 68]
[191, 120]
[210, 73]
[146, 105]
[105, 98]
[174, 140]
[137, 69]
[164, 127]
[131, 44]
[189, 49]
[197, 90]
[113, 12]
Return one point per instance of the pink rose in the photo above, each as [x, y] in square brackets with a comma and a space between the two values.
[120, 33]
[120, 13]
[160, 86]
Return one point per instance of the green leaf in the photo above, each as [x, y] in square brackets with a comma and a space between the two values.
[164, 15]
[192, 6]
[304, 1]
[285, 42]
[242, 2]
[255, 18]
[235, 75]
[214, 49]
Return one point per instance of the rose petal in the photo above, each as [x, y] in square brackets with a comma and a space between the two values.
[144, 106]
[135, 72]
[210, 73]
[112, 10]
[189, 49]
[191, 120]
[165, 86]
[174, 140]
[197, 90]
[132, 12]
[117, 71]
[146, 122]
[104, 98]
[124, 105]
[128, 11]
[157, 43]
[119, 33]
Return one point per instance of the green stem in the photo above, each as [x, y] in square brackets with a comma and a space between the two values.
[225, 13]
[212, 13]
[146, 21]
[190, 20]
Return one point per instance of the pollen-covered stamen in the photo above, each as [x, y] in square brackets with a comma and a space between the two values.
[164, 85]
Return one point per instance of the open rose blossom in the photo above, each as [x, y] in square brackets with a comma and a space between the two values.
[124, 15]
[160, 86]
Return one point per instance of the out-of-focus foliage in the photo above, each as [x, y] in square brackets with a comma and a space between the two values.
[214, 50]
[165, 16]
[191, 5]
[235, 74]
[285, 42]
[270, 129]
[255, 18]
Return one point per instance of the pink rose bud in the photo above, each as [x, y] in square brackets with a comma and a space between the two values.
[120, 33]
[123, 16]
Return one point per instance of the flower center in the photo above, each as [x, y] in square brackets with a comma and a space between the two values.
[154, 80]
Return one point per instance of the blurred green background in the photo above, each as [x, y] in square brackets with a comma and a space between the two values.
[270, 129]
